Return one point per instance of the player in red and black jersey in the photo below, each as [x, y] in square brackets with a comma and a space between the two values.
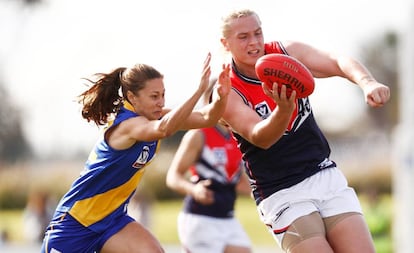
[208, 169]
[301, 195]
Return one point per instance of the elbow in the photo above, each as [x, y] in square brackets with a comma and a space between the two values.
[164, 131]
[169, 181]
[263, 144]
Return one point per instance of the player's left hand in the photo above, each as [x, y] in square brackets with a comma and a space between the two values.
[376, 94]
[223, 82]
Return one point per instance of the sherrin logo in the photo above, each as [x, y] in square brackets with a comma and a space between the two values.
[289, 80]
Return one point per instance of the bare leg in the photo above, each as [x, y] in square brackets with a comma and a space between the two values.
[133, 238]
[351, 235]
[236, 249]
[307, 234]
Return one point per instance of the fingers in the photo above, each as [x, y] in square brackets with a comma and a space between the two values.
[378, 97]
[224, 84]
[206, 182]
[267, 90]
[208, 59]
[206, 66]
[202, 193]
[278, 92]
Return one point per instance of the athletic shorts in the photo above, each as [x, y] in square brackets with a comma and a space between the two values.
[326, 192]
[66, 235]
[204, 234]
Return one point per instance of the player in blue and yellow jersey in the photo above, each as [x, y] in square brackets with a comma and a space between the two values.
[301, 195]
[92, 215]
[208, 169]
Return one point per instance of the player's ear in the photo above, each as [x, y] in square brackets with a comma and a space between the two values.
[224, 43]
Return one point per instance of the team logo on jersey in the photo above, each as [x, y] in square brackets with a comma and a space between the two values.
[220, 155]
[303, 110]
[142, 158]
[262, 109]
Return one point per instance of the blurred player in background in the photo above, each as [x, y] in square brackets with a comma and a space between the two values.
[301, 195]
[92, 215]
[216, 172]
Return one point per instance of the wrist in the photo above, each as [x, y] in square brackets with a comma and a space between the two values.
[365, 80]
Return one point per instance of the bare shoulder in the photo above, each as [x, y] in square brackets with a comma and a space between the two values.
[297, 49]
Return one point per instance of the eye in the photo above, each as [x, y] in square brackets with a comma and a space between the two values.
[258, 32]
[242, 36]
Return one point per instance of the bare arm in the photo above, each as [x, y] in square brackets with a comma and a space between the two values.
[208, 115]
[260, 132]
[187, 154]
[142, 129]
[323, 64]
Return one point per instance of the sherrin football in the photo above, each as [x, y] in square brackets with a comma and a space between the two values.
[285, 70]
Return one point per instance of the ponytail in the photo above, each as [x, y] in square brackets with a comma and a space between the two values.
[105, 95]
[102, 98]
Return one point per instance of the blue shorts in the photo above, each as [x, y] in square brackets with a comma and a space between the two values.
[66, 235]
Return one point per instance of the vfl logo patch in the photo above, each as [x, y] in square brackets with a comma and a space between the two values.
[142, 158]
[262, 109]
[303, 110]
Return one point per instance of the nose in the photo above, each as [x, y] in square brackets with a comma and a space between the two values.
[161, 102]
[253, 40]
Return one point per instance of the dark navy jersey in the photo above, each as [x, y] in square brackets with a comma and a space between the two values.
[220, 161]
[301, 152]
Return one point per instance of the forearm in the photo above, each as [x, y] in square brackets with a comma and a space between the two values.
[173, 120]
[355, 72]
[179, 184]
[269, 131]
[215, 110]
[207, 116]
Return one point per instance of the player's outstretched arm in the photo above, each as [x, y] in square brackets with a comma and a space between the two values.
[209, 114]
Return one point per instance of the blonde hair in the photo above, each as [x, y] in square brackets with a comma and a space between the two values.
[236, 14]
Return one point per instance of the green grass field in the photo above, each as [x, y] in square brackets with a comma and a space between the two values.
[165, 217]
[163, 222]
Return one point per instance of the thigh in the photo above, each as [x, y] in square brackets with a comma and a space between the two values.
[234, 236]
[306, 234]
[236, 249]
[351, 235]
[65, 234]
[279, 217]
[133, 238]
[201, 234]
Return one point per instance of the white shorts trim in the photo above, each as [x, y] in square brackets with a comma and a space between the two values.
[204, 234]
[326, 192]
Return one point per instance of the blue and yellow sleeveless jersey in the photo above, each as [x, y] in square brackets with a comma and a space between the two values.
[109, 179]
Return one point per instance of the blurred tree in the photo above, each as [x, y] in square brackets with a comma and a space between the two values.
[29, 2]
[380, 55]
[13, 144]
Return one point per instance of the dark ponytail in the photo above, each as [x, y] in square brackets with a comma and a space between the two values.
[102, 98]
[105, 96]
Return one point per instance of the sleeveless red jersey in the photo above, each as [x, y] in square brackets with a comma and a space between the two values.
[301, 152]
[220, 161]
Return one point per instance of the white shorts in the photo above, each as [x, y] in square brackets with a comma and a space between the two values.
[326, 192]
[203, 234]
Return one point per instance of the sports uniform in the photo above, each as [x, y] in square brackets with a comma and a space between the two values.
[95, 207]
[284, 176]
[209, 228]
